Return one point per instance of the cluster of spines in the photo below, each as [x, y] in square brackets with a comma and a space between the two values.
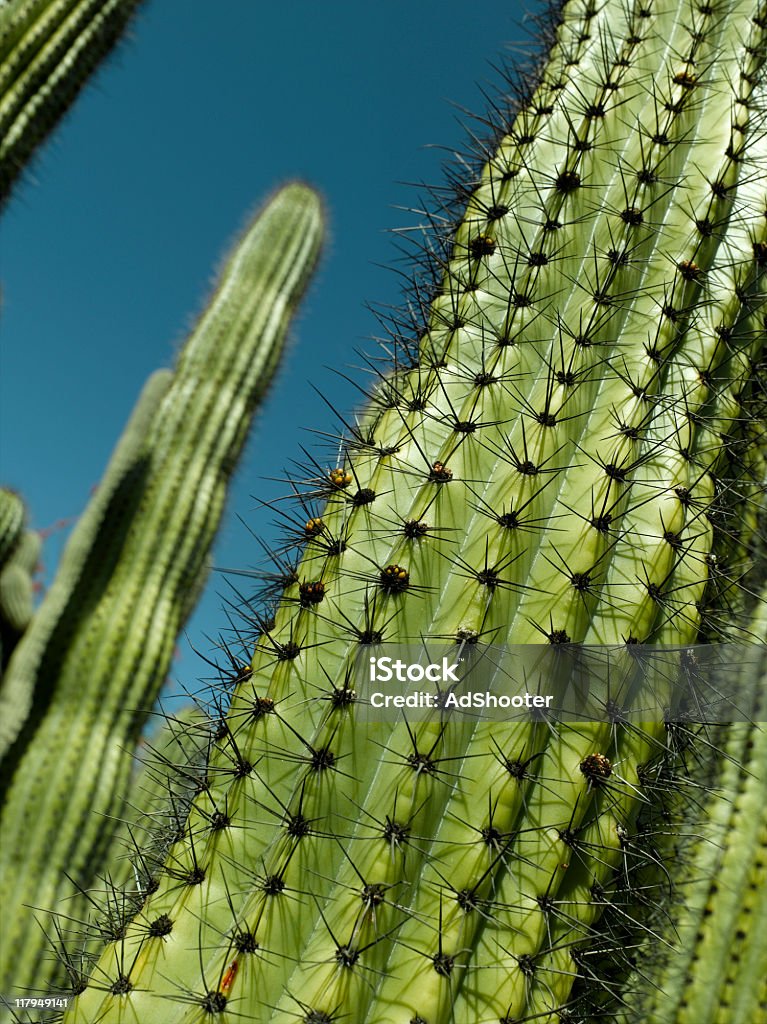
[546, 473]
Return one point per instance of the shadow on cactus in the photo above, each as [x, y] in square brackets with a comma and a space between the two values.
[565, 450]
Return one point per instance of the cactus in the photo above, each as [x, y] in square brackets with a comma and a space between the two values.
[48, 48]
[168, 763]
[92, 664]
[19, 555]
[12, 515]
[557, 458]
[721, 893]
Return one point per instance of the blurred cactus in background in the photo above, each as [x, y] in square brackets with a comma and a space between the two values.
[81, 683]
[19, 556]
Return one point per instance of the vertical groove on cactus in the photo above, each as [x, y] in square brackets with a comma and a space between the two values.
[557, 458]
[102, 642]
[48, 49]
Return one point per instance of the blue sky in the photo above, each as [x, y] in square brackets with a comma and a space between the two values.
[109, 247]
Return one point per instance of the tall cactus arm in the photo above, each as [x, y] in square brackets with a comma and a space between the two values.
[81, 575]
[48, 49]
[101, 644]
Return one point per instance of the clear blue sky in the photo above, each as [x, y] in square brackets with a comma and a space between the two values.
[109, 247]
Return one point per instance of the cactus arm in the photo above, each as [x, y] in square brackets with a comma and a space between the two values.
[12, 517]
[722, 980]
[17, 590]
[84, 568]
[111, 647]
[48, 49]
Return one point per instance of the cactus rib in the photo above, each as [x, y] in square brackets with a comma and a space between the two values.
[712, 834]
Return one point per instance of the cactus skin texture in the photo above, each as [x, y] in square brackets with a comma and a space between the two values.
[565, 455]
[48, 49]
[98, 532]
[19, 555]
[92, 664]
[709, 965]
[12, 516]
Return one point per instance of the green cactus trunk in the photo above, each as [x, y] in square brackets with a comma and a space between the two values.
[556, 460]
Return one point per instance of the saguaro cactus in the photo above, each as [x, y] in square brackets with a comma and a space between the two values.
[85, 676]
[557, 457]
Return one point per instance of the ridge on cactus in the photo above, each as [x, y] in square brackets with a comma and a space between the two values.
[566, 453]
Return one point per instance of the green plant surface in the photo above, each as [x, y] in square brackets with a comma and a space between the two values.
[48, 49]
[12, 516]
[169, 761]
[19, 556]
[558, 458]
[113, 503]
[719, 915]
[85, 676]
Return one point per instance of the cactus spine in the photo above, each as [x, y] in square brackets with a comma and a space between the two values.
[92, 664]
[557, 459]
